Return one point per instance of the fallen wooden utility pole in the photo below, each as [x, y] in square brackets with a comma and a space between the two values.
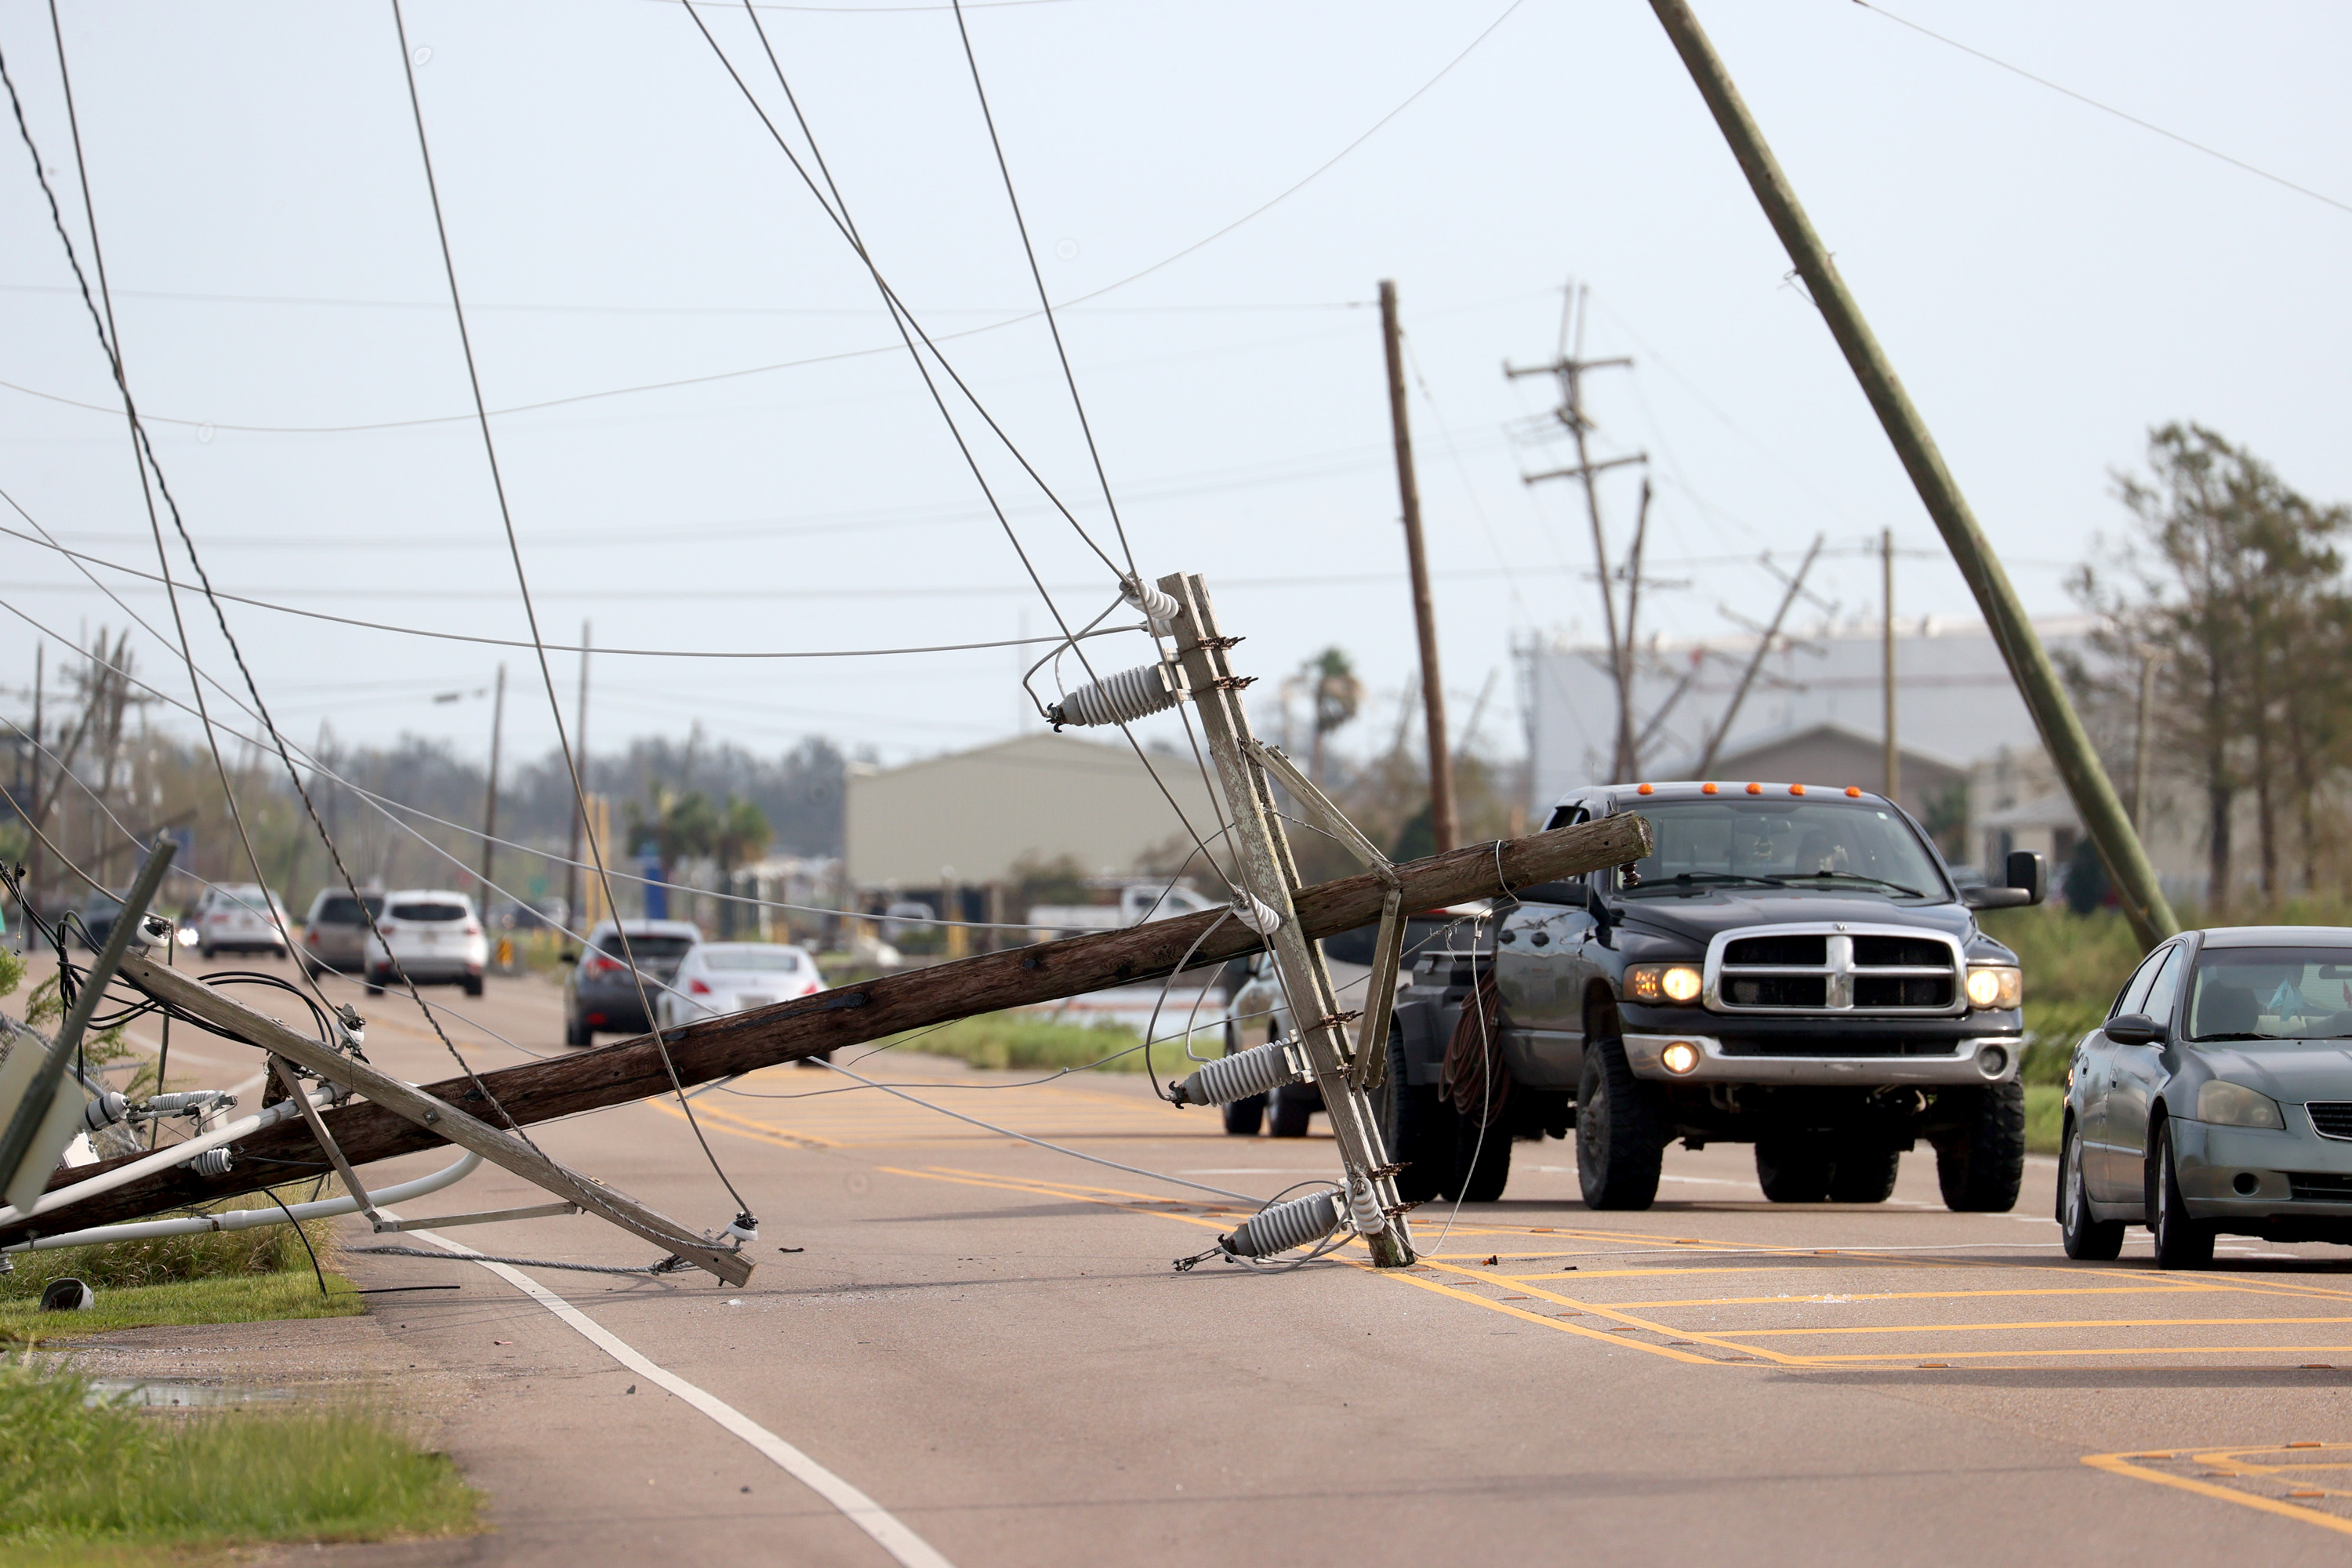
[853, 1014]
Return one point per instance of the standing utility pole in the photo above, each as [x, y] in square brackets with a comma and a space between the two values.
[1570, 368]
[33, 805]
[1424, 613]
[490, 804]
[2086, 780]
[578, 794]
[1893, 755]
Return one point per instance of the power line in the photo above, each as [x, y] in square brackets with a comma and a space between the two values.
[530, 613]
[2258, 172]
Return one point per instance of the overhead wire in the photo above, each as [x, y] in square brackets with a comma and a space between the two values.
[531, 612]
[151, 466]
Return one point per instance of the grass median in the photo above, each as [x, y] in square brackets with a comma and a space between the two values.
[85, 1480]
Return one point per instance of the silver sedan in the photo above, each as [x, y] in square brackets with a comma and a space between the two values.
[2217, 1096]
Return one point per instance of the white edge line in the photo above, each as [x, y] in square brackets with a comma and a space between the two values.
[888, 1532]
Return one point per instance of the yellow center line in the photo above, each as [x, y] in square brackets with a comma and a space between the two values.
[1423, 1282]
[1602, 1311]
[1909, 1295]
[2084, 1350]
[2051, 1323]
[2121, 1465]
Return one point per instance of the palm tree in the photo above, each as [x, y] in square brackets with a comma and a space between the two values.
[1337, 693]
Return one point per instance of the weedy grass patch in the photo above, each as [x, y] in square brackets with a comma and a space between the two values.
[82, 1479]
[1025, 1040]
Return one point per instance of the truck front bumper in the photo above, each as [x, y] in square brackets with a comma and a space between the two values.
[1978, 1059]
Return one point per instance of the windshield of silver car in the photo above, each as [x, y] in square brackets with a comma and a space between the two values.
[2271, 993]
[1737, 842]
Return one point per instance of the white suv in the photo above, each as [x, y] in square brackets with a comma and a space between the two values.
[433, 935]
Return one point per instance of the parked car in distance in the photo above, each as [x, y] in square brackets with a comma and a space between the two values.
[335, 932]
[430, 935]
[716, 978]
[98, 912]
[603, 993]
[242, 917]
[907, 916]
[2216, 1098]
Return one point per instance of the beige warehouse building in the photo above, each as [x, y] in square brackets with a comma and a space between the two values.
[969, 817]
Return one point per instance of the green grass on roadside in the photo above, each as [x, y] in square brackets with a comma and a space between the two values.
[214, 1277]
[1004, 1040]
[81, 1483]
[2045, 1105]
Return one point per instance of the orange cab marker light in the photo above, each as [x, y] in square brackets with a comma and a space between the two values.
[1796, 789]
[1854, 791]
[1645, 789]
[1756, 789]
[1706, 789]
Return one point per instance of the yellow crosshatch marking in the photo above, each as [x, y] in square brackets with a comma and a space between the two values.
[2218, 1466]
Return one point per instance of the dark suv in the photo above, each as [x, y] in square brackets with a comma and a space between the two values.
[1791, 966]
[602, 993]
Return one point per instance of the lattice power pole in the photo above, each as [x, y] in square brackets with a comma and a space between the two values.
[1269, 876]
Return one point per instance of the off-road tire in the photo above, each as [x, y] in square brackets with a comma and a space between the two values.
[2180, 1242]
[1420, 1131]
[1290, 1111]
[1792, 1172]
[1482, 1164]
[1981, 1165]
[2086, 1240]
[1863, 1173]
[1618, 1145]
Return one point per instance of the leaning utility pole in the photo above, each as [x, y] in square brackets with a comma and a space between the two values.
[578, 795]
[1756, 661]
[1570, 368]
[1886, 665]
[1425, 613]
[2086, 780]
[490, 801]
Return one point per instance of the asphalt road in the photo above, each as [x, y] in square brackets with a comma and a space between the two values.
[987, 1341]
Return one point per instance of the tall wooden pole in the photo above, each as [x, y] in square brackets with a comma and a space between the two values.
[1886, 665]
[490, 801]
[578, 794]
[2062, 735]
[1442, 819]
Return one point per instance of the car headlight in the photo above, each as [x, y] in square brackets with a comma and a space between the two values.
[1996, 986]
[2235, 1105]
[1674, 983]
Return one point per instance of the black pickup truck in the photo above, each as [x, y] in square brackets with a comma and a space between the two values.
[1791, 966]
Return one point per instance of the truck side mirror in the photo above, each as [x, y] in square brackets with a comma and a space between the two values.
[2030, 871]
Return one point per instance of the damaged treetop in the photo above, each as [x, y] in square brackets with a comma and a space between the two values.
[853, 1014]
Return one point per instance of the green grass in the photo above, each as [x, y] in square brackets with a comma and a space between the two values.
[1025, 1040]
[85, 1484]
[2044, 1110]
[216, 1277]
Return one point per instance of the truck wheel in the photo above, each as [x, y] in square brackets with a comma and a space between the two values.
[1618, 1143]
[1980, 1165]
[1290, 1108]
[1861, 1173]
[1791, 1172]
[578, 1033]
[2087, 1240]
[1482, 1160]
[2181, 1242]
[1420, 1130]
[1246, 1115]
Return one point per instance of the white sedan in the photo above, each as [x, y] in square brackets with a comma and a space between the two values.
[717, 978]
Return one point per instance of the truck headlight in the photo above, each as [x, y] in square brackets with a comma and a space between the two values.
[2235, 1105]
[1996, 986]
[1674, 983]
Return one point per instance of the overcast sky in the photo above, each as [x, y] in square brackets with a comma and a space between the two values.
[2049, 280]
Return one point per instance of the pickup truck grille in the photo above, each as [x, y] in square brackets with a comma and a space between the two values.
[2331, 1118]
[1834, 969]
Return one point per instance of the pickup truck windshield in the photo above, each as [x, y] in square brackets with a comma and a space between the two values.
[1795, 844]
[2271, 994]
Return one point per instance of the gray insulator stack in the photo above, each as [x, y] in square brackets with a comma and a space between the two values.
[1159, 609]
[1120, 698]
[1286, 1227]
[1228, 1078]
